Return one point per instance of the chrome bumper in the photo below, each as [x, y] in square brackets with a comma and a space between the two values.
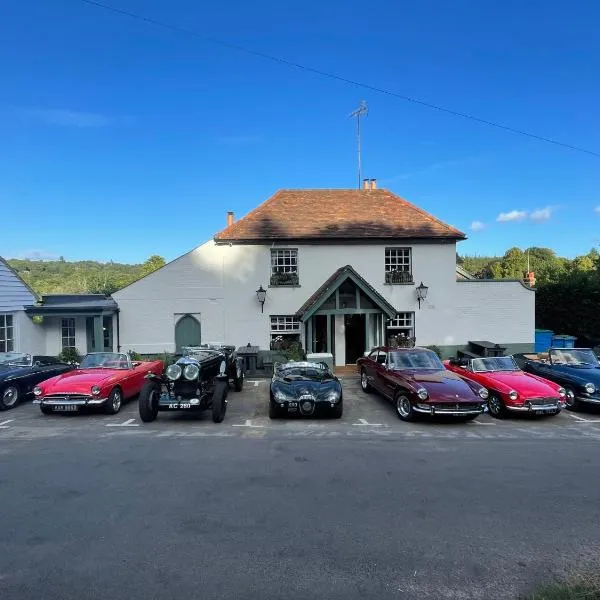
[588, 399]
[66, 402]
[534, 408]
[446, 411]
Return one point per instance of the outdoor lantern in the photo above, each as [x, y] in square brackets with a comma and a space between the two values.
[261, 294]
[421, 293]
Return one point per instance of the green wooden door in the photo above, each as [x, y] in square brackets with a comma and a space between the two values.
[187, 332]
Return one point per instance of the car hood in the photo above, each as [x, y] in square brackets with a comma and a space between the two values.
[7, 371]
[580, 375]
[527, 385]
[443, 385]
[80, 381]
[302, 387]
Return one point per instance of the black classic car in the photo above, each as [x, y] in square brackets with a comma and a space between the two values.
[199, 380]
[577, 370]
[20, 373]
[304, 389]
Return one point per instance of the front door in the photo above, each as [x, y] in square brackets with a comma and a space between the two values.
[354, 326]
[187, 332]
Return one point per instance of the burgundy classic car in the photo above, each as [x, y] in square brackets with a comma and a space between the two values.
[415, 380]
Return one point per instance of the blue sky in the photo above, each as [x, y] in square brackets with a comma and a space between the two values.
[119, 139]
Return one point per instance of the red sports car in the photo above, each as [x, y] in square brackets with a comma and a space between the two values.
[102, 379]
[415, 380]
[510, 388]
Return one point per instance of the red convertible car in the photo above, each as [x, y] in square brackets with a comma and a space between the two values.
[102, 379]
[415, 380]
[510, 388]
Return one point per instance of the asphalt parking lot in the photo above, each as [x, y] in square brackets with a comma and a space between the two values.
[247, 416]
[109, 508]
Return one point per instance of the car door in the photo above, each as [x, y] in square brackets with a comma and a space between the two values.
[370, 367]
[386, 379]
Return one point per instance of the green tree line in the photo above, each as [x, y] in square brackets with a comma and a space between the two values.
[88, 276]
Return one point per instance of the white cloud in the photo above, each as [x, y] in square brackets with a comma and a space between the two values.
[477, 225]
[542, 214]
[37, 254]
[68, 118]
[513, 215]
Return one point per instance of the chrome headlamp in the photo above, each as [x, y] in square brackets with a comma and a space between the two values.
[96, 390]
[590, 388]
[513, 395]
[173, 372]
[280, 396]
[483, 393]
[562, 392]
[422, 393]
[333, 397]
[191, 372]
[37, 390]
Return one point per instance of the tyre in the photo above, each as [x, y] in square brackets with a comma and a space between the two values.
[9, 397]
[238, 380]
[364, 382]
[404, 408]
[148, 401]
[496, 407]
[338, 410]
[572, 402]
[219, 401]
[273, 410]
[47, 410]
[114, 402]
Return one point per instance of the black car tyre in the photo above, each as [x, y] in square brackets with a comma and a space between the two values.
[496, 407]
[572, 402]
[274, 412]
[148, 401]
[238, 380]
[219, 401]
[9, 397]
[114, 402]
[47, 410]
[364, 382]
[404, 408]
[338, 410]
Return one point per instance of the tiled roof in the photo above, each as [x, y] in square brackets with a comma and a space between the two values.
[336, 214]
[61, 303]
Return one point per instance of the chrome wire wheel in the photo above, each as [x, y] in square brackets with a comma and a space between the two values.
[10, 396]
[116, 400]
[364, 382]
[403, 407]
[570, 398]
[494, 405]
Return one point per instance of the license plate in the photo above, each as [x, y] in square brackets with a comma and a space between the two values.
[176, 405]
[292, 404]
[65, 408]
[540, 412]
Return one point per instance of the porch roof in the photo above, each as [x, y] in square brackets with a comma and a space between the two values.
[333, 282]
[70, 304]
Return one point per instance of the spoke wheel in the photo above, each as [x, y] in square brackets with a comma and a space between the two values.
[496, 407]
[364, 382]
[571, 401]
[114, 402]
[404, 408]
[9, 397]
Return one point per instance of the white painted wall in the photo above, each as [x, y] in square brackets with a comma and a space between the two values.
[29, 337]
[340, 341]
[500, 311]
[220, 283]
[53, 333]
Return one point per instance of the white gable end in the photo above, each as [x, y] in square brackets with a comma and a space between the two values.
[14, 294]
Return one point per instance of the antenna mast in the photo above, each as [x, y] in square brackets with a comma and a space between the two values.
[362, 110]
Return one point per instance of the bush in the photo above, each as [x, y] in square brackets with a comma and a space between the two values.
[290, 347]
[69, 355]
[134, 355]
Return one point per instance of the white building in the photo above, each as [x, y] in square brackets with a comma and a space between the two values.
[340, 269]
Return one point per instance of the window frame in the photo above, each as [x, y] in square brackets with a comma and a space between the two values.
[396, 271]
[284, 320]
[282, 274]
[68, 337]
[7, 341]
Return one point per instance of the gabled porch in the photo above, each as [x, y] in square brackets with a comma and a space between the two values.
[345, 317]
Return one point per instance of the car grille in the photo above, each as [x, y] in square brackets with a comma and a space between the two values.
[185, 388]
[67, 398]
[541, 401]
[456, 406]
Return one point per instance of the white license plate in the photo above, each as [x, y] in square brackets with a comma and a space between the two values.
[65, 408]
[177, 405]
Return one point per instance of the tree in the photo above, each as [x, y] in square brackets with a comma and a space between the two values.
[152, 264]
[511, 266]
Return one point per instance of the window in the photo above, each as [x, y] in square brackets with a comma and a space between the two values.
[398, 265]
[284, 330]
[7, 333]
[284, 266]
[402, 325]
[68, 333]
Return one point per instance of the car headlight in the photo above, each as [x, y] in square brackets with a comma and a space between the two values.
[590, 388]
[483, 393]
[173, 372]
[333, 397]
[562, 392]
[191, 371]
[513, 395]
[280, 396]
[37, 390]
[422, 393]
[95, 390]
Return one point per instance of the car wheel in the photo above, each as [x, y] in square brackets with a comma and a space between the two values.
[219, 401]
[338, 410]
[148, 402]
[571, 401]
[114, 402]
[364, 382]
[496, 407]
[274, 412]
[404, 408]
[9, 397]
[238, 380]
[47, 410]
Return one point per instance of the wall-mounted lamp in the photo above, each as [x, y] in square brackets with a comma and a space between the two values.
[261, 294]
[421, 293]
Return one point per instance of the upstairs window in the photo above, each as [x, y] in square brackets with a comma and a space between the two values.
[398, 265]
[7, 333]
[284, 266]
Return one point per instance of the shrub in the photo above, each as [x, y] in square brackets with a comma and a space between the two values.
[70, 355]
[292, 348]
[134, 355]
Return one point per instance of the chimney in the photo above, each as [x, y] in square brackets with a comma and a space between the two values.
[230, 218]
[366, 184]
[373, 184]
